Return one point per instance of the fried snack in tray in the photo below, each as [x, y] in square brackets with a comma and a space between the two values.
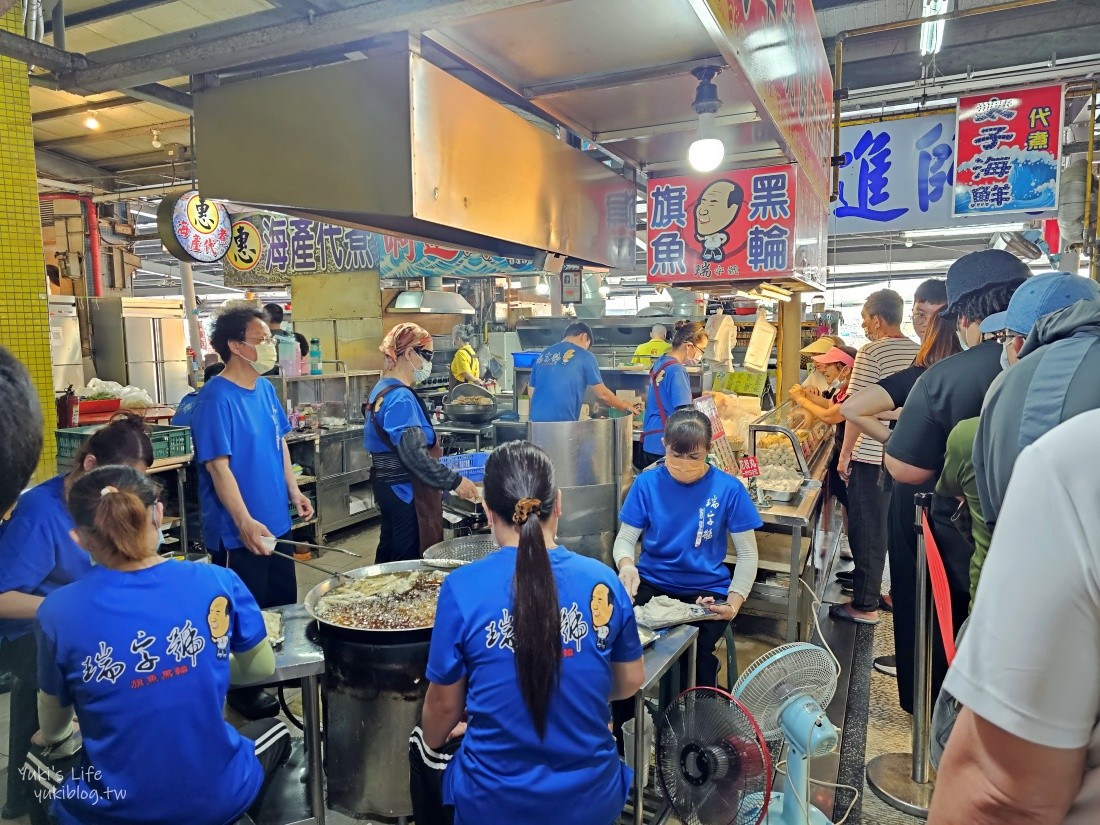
[476, 400]
[394, 601]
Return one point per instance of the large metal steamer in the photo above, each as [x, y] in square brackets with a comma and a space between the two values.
[374, 688]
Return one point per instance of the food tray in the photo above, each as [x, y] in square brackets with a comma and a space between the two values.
[467, 465]
[168, 441]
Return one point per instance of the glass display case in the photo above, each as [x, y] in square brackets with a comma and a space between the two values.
[786, 442]
[333, 400]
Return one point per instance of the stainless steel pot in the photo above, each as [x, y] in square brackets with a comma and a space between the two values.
[470, 413]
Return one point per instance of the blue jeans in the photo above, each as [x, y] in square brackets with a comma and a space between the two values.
[868, 504]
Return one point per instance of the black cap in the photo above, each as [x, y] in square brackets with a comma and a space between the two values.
[981, 270]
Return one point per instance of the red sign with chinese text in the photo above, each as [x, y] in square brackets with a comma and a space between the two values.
[724, 226]
[750, 468]
[779, 47]
[1007, 151]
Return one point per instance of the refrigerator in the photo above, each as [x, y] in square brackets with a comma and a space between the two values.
[142, 342]
[68, 365]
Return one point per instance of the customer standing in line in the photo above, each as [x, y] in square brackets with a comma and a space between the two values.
[979, 284]
[860, 461]
[531, 643]
[245, 475]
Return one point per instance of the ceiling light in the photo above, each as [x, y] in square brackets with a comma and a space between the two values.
[777, 291]
[954, 231]
[156, 139]
[515, 284]
[90, 120]
[931, 34]
[605, 290]
[908, 243]
[707, 151]
[543, 288]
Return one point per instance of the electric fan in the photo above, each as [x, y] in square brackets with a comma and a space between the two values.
[713, 764]
[786, 691]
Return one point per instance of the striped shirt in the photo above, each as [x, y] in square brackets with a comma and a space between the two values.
[877, 360]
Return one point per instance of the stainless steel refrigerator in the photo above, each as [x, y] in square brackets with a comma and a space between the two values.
[68, 366]
[142, 342]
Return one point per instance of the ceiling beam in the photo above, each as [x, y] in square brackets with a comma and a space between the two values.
[55, 165]
[44, 55]
[615, 135]
[616, 80]
[264, 41]
[98, 13]
[117, 134]
[70, 111]
[161, 95]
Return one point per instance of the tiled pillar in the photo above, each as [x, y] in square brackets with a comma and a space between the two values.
[24, 318]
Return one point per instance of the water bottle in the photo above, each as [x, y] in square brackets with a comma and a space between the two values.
[314, 356]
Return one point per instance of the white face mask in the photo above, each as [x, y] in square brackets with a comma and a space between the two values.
[421, 375]
[267, 355]
[1005, 363]
[960, 333]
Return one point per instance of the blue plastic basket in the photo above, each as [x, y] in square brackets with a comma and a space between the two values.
[524, 360]
[467, 465]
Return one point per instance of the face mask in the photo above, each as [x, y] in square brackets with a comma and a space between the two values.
[266, 357]
[160, 535]
[686, 470]
[960, 333]
[421, 375]
[1005, 363]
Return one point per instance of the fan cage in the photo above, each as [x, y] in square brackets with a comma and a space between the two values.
[781, 674]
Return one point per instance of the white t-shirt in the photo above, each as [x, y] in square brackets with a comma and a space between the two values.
[1030, 660]
[875, 361]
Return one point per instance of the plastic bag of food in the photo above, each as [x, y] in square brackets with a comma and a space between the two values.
[97, 389]
[135, 398]
[734, 420]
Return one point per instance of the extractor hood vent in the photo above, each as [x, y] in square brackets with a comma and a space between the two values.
[398, 145]
[431, 300]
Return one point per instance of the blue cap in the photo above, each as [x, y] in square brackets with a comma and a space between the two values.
[1041, 296]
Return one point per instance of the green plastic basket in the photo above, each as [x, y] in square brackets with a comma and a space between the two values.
[168, 441]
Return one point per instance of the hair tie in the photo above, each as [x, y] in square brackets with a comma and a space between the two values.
[108, 490]
[524, 508]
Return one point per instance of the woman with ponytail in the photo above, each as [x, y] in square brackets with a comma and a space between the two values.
[532, 643]
[143, 651]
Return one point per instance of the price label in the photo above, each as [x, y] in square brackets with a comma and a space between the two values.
[749, 467]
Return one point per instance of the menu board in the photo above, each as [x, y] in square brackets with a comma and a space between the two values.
[741, 382]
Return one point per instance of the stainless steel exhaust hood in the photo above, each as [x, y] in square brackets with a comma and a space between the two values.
[431, 300]
[395, 144]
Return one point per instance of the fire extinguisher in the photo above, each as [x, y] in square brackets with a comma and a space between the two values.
[68, 409]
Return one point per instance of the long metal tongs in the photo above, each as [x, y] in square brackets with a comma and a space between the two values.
[326, 548]
[270, 541]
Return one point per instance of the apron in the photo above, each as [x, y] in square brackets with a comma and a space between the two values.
[653, 376]
[427, 501]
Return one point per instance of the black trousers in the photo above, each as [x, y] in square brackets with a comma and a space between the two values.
[270, 579]
[399, 537]
[903, 590]
[868, 505]
[20, 657]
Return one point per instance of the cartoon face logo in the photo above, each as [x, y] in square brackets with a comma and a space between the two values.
[218, 617]
[602, 609]
[568, 356]
[715, 211]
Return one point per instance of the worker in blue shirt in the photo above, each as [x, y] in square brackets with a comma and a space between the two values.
[408, 478]
[531, 643]
[21, 423]
[186, 407]
[683, 510]
[37, 557]
[563, 373]
[245, 474]
[669, 386]
[142, 649]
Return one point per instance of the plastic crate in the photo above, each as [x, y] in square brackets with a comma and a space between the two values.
[524, 360]
[467, 465]
[168, 441]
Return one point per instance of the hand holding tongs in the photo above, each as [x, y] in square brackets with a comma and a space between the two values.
[314, 547]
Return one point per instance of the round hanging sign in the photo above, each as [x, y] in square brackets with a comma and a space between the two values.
[245, 246]
[194, 228]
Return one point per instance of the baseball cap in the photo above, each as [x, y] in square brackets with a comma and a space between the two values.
[1041, 296]
[981, 270]
[835, 356]
[819, 347]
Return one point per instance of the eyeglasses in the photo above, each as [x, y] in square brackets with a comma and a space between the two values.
[426, 354]
[267, 340]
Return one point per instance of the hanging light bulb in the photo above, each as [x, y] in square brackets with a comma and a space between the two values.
[90, 120]
[707, 151]
[156, 139]
[605, 290]
[543, 288]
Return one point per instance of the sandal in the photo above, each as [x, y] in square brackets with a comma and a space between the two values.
[840, 612]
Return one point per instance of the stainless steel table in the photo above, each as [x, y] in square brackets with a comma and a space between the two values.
[474, 431]
[671, 646]
[300, 659]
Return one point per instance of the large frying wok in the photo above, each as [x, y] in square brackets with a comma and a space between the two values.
[378, 637]
[470, 413]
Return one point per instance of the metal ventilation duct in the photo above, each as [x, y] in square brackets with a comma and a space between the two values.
[396, 144]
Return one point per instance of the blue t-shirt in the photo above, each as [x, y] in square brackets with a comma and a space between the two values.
[400, 410]
[684, 528]
[560, 377]
[503, 772]
[675, 390]
[37, 552]
[185, 409]
[248, 426]
[143, 658]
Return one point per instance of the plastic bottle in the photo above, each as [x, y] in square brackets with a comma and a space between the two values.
[289, 363]
[314, 356]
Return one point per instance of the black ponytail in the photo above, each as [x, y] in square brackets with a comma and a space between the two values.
[519, 487]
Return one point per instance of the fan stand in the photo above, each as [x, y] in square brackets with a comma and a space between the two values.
[784, 808]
